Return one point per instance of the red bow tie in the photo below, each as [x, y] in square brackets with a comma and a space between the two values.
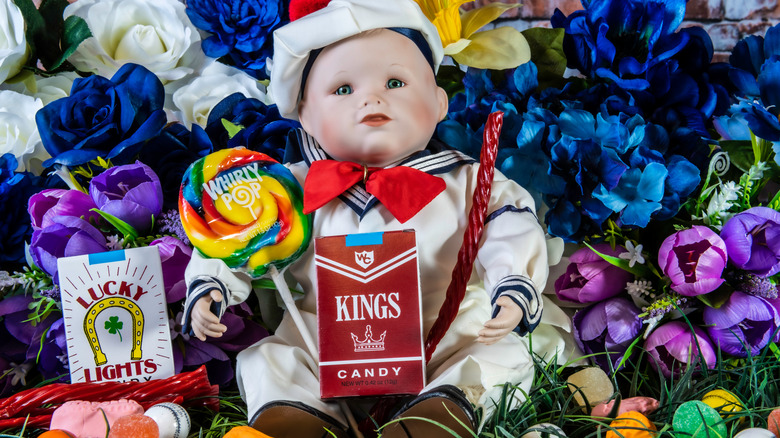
[403, 190]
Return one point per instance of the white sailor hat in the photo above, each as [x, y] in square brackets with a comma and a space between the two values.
[338, 20]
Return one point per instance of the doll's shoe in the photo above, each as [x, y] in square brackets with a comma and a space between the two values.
[446, 405]
[288, 419]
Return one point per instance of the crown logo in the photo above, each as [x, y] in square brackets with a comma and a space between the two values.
[369, 344]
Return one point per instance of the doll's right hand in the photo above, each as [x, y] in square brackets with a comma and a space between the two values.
[204, 321]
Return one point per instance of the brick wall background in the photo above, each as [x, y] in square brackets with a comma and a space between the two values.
[726, 21]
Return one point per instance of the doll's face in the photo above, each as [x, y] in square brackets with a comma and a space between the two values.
[372, 99]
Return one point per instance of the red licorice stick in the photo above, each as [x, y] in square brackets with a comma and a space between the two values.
[191, 388]
[468, 250]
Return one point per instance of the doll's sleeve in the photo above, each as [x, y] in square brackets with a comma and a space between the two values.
[512, 259]
[204, 275]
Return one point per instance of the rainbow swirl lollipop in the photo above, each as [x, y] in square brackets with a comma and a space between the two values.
[245, 208]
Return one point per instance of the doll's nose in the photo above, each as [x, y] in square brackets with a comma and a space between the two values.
[372, 99]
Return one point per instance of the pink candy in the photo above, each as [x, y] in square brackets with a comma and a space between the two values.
[86, 419]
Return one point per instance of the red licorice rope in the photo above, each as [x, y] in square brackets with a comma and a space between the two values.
[190, 388]
[468, 250]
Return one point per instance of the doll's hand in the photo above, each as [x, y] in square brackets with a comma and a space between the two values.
[506, 321]
[204, 322]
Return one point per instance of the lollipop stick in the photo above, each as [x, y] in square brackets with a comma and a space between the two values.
[287, 298]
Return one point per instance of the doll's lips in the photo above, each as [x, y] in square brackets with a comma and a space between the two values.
[375, 119]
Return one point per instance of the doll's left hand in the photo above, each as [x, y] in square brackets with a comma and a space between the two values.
[506, 321]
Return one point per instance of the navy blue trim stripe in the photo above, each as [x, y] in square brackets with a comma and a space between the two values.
[508, 209]
[196, 290]
[522, 291]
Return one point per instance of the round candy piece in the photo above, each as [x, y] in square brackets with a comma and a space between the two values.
[755, 432]
[245, 208]
[698, 420]
[245, 432]
[56, 433]
[134, 426]
[723, 401]
[172, 419]
[631, 424]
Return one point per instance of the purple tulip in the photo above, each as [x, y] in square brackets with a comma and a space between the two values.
[753, 240]
[672, 347]
[47, 206]
[590, 278]
[131, 192]
[174, 256]
[745, 322]
[607, 327]
[694, 260]
[71, 236]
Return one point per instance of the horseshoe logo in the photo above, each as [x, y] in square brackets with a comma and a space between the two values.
[138, 326]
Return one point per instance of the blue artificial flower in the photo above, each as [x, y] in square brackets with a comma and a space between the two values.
[241, 30]
[109, 118]
[171, 153]
[16, 188]
[263, 129]
[637, 196]
[619, 40]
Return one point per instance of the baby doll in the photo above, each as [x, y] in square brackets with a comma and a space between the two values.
[360, 77]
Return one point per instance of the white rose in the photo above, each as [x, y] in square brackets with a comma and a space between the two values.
[154, 33]
[48, 89]
[18, 131]
[194, 101]
[14, 50]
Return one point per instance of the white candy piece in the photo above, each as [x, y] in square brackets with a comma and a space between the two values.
[755, 432]
[172, 419]
[544, 430]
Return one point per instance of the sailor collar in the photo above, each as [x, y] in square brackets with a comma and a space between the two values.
[436, 158]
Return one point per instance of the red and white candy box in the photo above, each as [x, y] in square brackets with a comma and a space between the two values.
[369, 314]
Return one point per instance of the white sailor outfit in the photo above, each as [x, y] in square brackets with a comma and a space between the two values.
[511, 261]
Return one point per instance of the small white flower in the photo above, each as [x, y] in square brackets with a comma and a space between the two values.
[113, 242]
[154, 33]
[18, 373]
[14, 50]
[193, 102]
[634, 254]
[19, 132]
[639, 288]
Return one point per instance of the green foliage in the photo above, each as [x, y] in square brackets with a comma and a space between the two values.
[547, 53]
[52, 40]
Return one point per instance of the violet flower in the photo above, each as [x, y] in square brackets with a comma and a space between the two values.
[47, 206]
[590, 278]
[694, 260]
[672, 348]
[745, 323]
[174, 256]
[131, 192]
[70, 236]
[753, 240]
[606, 329]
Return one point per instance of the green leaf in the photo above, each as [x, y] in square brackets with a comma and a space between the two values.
[637, 269]
[123, 227]
[34, 24]
[740, 153]
[232, 128]
[547, 53]
[716, 298]
[74, 33]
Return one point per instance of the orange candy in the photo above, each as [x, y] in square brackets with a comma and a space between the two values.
[631, 424]
[56, 433]
[245, 432]
[134, 426]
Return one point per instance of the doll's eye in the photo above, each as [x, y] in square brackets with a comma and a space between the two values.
[344, 89]
[395, 83]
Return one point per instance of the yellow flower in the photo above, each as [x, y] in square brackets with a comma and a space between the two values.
[497, 49]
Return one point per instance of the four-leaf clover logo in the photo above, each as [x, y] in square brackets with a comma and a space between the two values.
[114, 325]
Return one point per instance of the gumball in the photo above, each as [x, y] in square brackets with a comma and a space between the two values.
[56, 433]
[755, 432]
[773, 422]
[631, 424]
[723, 401]
[544, 430]
[172, 419]
[246, 209]
[245, 432]
[698, 420]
